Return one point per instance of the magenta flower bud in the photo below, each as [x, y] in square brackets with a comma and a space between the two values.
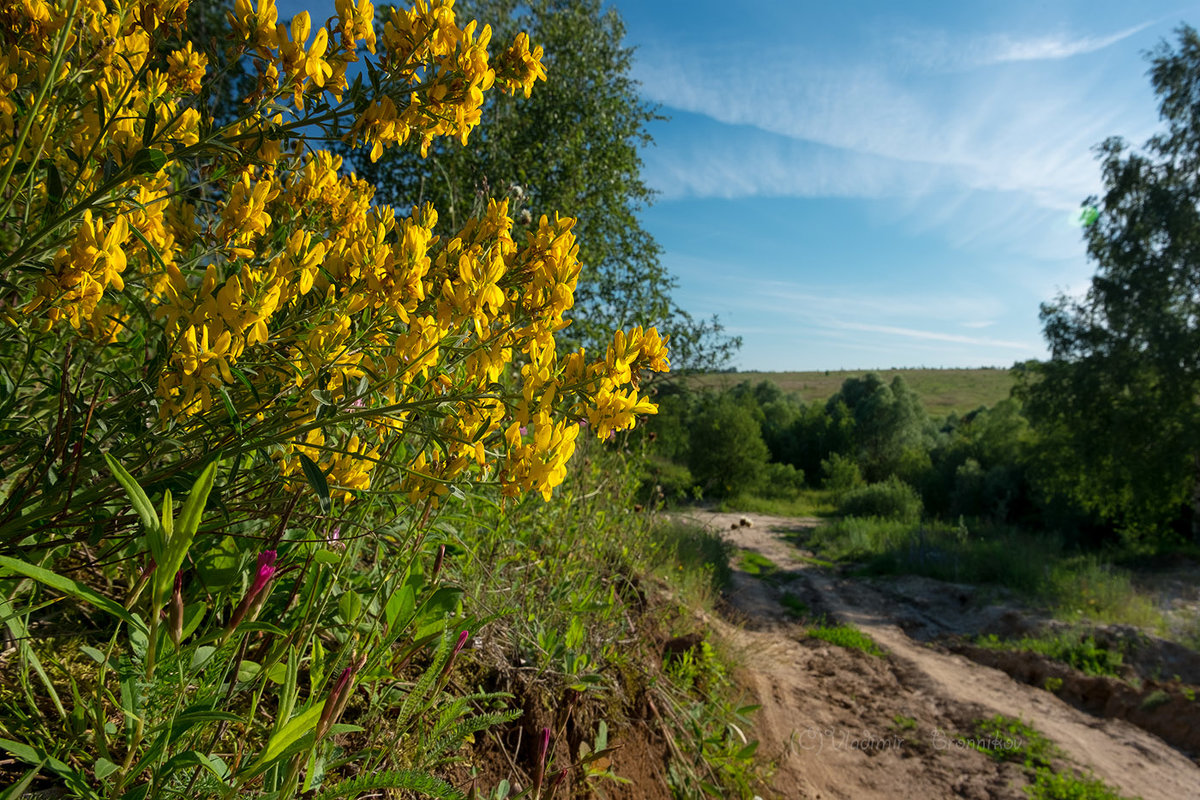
[462, 641]
[437, 564]
[559, 780]
[543, 748]
[339, 696]
[257, 594]
[266, 569]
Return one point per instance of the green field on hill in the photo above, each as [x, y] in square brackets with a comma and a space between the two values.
[941, 390]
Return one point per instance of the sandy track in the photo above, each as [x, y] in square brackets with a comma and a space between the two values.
[844, 724]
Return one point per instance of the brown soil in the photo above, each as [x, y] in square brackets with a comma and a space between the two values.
[840, 723]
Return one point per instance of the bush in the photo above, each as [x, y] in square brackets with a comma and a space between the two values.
[840, 474]
[666, 482]
[783, 480]
[891, 499]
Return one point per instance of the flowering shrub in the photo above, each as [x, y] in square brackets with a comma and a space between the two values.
[180, 292]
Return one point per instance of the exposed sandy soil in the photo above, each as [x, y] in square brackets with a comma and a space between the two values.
[841, 723]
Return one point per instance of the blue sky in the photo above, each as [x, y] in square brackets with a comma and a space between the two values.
[869, 185]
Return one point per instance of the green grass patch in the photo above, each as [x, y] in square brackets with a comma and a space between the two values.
[1085, 587]
[754, 563]
[1051, 785]
[694, 560]
[1008, 739]
[1071, 647]
[1074, 587]
[847, 636]
[808, 503]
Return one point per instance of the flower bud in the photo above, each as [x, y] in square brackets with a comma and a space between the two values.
[175, 614]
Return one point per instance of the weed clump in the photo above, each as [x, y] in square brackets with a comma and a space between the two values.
[847, 636]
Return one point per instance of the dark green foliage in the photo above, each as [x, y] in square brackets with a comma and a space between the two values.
[727, 455]
[666, 482]
[890, 499]
[782, 480]
[840, 474]
[572, 146]
[891, 431]
[1116, 406]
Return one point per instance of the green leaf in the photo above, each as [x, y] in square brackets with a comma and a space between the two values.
[350, 606]
[142, 505]
[168, 516]
[103, 768]
[72, 588]
[296, 728]
[151, 124]
[230, 410]
[218, 567]
[193, 614]
[317, 480]
[30, 755]
[747, 751]
[402, 603]
[54, 185]
[148, 161]
[324, 556]
[18, 789]
[192, 758]
[189, 521]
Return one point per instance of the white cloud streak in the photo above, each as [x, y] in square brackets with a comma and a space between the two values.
[935, 50]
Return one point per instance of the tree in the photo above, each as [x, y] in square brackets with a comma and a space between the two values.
[727, 455]
[573, 145]
[1116, 405]
[890, 428]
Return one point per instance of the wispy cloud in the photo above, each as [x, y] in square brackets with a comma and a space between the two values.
[936, 336]
[936, 50]
[999, 156]
[1006, 48]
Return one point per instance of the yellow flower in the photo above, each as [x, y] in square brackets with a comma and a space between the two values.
[186, 68]
[519, 68]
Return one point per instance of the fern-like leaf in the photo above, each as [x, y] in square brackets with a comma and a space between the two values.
[410, 780]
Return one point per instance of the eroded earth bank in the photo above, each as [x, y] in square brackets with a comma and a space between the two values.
[843, 723]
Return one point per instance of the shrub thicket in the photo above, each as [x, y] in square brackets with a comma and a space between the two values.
[891, 499]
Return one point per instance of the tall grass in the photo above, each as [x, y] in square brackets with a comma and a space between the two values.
[1038, 567]
[578, 591]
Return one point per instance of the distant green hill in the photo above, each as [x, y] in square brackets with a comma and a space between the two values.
[941, 390]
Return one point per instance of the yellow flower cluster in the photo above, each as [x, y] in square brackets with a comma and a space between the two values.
[282, 294]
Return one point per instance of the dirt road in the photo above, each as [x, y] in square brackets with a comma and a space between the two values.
[841, 723]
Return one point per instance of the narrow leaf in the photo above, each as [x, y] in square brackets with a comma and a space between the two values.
[151, 124]
[72, 588]
[317, 480]
[295, 729]
[142, 505]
